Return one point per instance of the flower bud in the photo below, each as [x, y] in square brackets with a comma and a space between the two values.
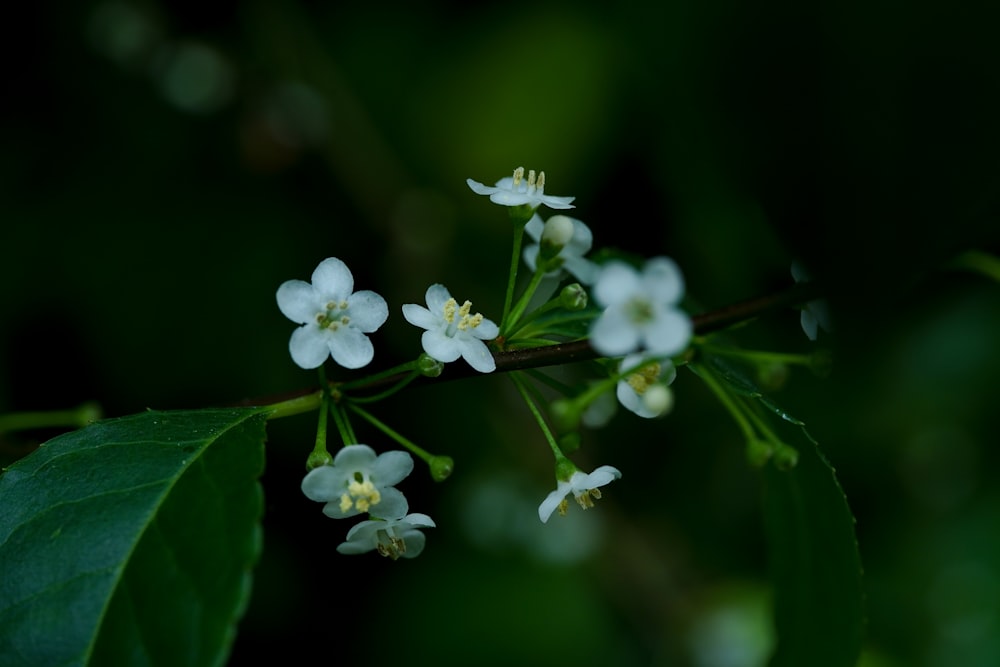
[556, 233]
[429, 366]
[317, 458]
[573, 297]
[785, 457]
[441, 467]
[658, 399]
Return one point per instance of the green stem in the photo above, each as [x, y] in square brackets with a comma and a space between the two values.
[361, 383]
[295, 406]
[374, 421]
[525, 394]
[515, 261]
[75, 418]
[510, 320]
[405, 380]
[343, 424]
[759, 355]
[738, 413]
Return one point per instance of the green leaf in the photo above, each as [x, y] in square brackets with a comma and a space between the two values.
[738, 380]
[131, 541]
[815, 566]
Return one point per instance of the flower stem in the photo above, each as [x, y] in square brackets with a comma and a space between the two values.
[526, 395]
[511, 319]
[738, 412]
[424, 455]
[759, 355]
[75, 418]
[515, 261]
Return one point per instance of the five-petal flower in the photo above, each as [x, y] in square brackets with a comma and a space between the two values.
[640, 309]
[392, 537]
[516, 191]
[334, 318]
[358, 481]
[584, 489]
[452, 331]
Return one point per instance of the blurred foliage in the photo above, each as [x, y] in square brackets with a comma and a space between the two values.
[167, 165]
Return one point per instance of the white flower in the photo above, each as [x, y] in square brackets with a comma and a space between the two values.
[358, 481]
[334, 318]
[584, 488]
[645, 392]
[515, 191]
[640, 309]
[453, 332]
[816, 313]
[573, 249]
[391, 537]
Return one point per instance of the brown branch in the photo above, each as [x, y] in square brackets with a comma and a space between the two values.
[580, 350]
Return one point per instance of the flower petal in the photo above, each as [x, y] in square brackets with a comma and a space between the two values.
[393, 504]
[486, 330]
[420, 520]
[601, 476]
[420, 317]
[440, 346]
[322, 484]
[477, 355]
[612, 334]
[552, 501]
[616, 283]
[391, 468]
[414, 541]
[479, 188]
[631, 400]
[436, 296]
[350, 348]
[535, 227]
[368, 310]
[662, 280]
[308, 346]
[332, 280]
[557, 202]
[669, 333]
[355, 457]
[508, 198]
[298, 301]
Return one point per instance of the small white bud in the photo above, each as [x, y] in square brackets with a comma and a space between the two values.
[658, 399]
[558, 230]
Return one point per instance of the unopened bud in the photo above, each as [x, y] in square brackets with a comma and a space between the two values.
[441, 467]
[317, 458]
[573, 297]
[429, 366]
[785, 457]
[658, 399]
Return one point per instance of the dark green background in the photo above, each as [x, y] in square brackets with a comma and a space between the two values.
[165, 166]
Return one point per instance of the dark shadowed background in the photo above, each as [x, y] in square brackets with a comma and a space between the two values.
[165, 166]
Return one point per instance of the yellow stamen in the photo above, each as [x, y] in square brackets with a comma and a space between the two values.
[644, 378]
[450, 306]
[518, 175]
